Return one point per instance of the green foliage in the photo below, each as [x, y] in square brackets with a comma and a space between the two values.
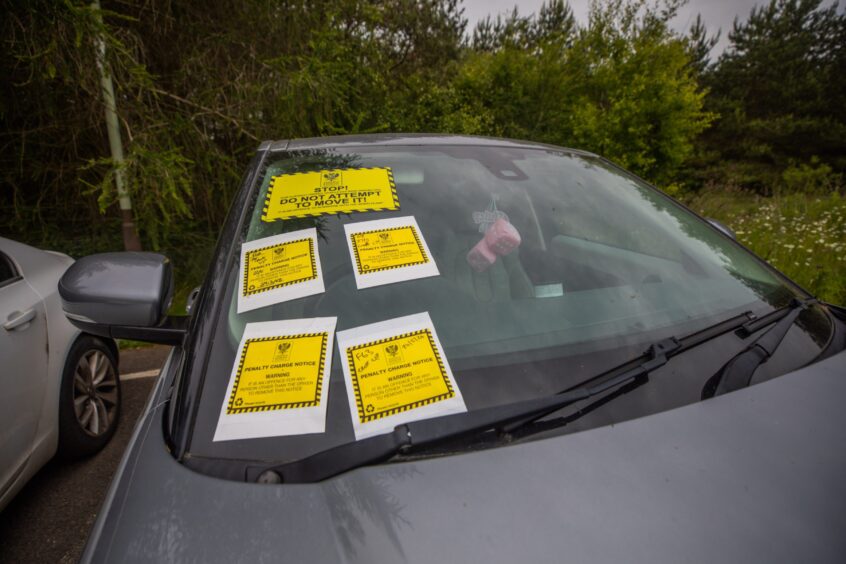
[621, 86]
[780, 90]
[160, 183]
[554, 23]
[811, 178]
[199, 84]
[700, 45]
[802, 235]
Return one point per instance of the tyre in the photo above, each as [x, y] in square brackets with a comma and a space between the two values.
[89, 400]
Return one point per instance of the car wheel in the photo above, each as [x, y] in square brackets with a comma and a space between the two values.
[89, 400]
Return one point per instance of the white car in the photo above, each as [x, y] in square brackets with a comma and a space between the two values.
[60, 386]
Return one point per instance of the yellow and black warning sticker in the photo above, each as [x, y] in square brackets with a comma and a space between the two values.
[279, 265]
[397, 374]
[277, 383]
[278, 269]
[284, 372]
[343, 190]
[384, 249]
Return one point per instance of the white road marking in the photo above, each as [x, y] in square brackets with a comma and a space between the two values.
[136, 375]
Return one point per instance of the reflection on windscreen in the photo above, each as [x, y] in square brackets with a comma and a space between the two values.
[599, 254]
[586, 267]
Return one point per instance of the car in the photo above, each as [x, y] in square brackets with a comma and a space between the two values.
[61, 387]
[437, 348]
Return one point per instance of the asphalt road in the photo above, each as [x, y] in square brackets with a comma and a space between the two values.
[50, 518]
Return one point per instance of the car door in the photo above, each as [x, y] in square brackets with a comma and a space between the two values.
[23, 368]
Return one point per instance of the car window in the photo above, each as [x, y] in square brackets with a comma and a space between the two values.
[589, 236]
[8, 273]
[592, 266]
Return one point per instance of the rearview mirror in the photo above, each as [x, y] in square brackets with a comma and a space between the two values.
[122, 296]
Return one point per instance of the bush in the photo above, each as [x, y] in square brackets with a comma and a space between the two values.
[811, 178]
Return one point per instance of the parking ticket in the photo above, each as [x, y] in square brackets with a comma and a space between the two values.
[279, 381]
[386, 251]
[395, 371]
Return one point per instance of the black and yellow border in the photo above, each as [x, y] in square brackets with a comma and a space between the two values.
[230, 406]
[364, 417]
[274, 183]
[313, 276]
[417, 240]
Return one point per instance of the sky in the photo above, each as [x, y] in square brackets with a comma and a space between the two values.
[715, 13]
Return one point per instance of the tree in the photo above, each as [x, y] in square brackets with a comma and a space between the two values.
[700, 45]
[198, 85]
[554, 23]
[621, 86]
[780, 88]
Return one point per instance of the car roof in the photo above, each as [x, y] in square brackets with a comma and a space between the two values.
[405, 139]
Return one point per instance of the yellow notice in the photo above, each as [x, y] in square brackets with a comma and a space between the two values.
[384, 249]
[343, 190]
[397, 374]
[279, 265]
[279, 373]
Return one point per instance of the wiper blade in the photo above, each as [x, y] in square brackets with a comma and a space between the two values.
[419, 434]
[738, 371]
[422, 433]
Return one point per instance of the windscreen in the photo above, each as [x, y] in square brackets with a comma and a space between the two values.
[375, 285]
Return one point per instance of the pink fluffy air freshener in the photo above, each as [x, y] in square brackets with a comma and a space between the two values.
[502, 237]
[480, 258]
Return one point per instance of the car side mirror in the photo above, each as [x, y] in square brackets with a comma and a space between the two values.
[122, 296]
[722, 227]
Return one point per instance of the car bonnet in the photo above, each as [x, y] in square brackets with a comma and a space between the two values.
[752, 475]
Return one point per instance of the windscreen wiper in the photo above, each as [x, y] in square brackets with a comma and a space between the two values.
[738, 371]
[416, 435]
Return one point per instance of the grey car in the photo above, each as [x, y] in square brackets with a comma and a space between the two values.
[419, 348]
[61, 387]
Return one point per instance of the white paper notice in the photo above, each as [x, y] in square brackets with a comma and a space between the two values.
[395, 372]
[279, 268]
[280, 380]
[385, 251]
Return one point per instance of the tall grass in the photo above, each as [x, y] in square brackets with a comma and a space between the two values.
[802, 235]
